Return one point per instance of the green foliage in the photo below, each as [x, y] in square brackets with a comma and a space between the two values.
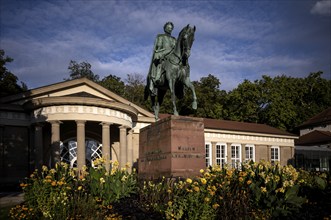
[80, 70]
[134, 89]
[110, 186]
[211, 99]
[245, 102]
[61, 193]
[114, 84]
[283, 102]
[255, 191]
[8, 81]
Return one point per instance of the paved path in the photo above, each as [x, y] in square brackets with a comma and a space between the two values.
[10, 198]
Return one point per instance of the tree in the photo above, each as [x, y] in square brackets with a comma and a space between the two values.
[8, 81]
[279, 95]
[114, 84]
[134, 89]
[245, 102]
[80, 70]
[210, 98]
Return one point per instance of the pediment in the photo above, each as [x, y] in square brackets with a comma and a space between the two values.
[80, 88]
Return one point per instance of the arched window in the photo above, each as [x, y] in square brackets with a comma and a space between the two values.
[68, 148]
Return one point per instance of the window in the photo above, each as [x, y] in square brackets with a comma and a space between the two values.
[221, 154]
[275, 155]
[68, 151]
[208, 154]
[235, 155]
[249, 152]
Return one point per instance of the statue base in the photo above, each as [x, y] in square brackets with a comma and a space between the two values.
[172, 147]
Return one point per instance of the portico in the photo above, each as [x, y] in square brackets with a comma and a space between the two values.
[73, 121]
[85, 118]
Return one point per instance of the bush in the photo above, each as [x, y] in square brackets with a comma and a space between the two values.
[64, 193]
[254, 191]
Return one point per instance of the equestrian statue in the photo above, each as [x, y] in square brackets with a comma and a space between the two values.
[169, 68]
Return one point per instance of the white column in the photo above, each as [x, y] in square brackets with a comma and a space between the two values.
[123, 146]
[81, 156]
[55, 142]
[129, 149]
[106, 143]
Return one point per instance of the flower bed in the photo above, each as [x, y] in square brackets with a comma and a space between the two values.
[255, 191]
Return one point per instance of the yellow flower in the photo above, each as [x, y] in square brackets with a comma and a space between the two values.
[44, 168]
[242, 174]
[207, 199]
[169, 191]
[102, 180]
[188, 180]
[53, 183]
[202, 171]
[84, 168]
[263, 189]
[229, 172]
[52, 171]
[196, 188]
[169, 203]
[215, 206]
[249, 182]
[203, 181]
[116, 164]
[80, 188]
[241, 179]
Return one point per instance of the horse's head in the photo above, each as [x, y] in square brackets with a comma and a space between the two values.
[186, 37]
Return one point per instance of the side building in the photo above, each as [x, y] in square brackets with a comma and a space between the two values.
[78, 121]
[231, 142]
[313, 148]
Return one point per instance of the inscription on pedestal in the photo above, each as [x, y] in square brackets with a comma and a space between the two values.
[172, 147]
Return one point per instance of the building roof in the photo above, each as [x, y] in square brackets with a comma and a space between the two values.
[76, 91]
[315, 137]
[319, 119]
[243, 127]
[240, 126]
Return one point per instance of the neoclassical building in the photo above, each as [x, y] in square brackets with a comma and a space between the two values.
[78, 121]
[74, 121]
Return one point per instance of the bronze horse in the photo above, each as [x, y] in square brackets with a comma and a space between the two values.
[175, 73]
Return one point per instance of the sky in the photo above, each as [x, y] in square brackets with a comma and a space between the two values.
[234, 40]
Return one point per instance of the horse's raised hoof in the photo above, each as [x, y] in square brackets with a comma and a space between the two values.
[194, 105]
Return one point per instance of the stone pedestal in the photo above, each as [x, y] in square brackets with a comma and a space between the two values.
[172, 147]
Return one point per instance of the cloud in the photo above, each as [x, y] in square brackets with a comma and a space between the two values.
[322, 8]
[233, 41]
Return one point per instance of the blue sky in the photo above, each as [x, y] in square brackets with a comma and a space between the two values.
[235, 40]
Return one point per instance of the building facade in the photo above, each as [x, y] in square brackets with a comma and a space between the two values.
[232, 143]
[313, 148]
[78, 121]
